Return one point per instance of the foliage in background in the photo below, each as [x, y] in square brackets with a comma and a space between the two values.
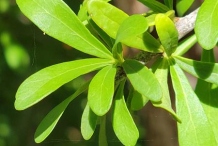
[100, 30]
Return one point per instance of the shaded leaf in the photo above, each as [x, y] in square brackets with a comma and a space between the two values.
[169, 4]
[143, 80]
[195, 128]
[123, 124]
[167, 33]
[155, 5]
[44, 82]
[207, 20]
[204, 70]
[109, 18]
[88, 123]
[51, 119]
[101, 90]
[182, 6]
[138, 100]
[48, 16]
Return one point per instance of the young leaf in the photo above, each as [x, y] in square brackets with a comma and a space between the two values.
[161, 74]
[143, 80]
[56, 19]
[207, 20]
[182, 6]
[155, 5]
[204, 70]
[47, 80]
[123, 124]
[167, 33]
[189, 109]
[88, 123]
[101, 90]
[109, 18]
[169, 4]
[52, 118]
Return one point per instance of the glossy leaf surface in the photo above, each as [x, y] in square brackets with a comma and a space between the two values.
[49, 122]
[88, 123]
[167, 33]
[101, 90]
[123, 124]
[188, 107]
[206, 26]
[48, 16]
[204, 70]
[182, 6]
[155, 5]
[109, 18]
[143, 80]
[49, 79]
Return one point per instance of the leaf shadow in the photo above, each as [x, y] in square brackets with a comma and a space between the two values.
[203, 69]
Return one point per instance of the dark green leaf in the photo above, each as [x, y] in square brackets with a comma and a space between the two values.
[123, 124]
[195, 128]
[52, 118]
[88, 123]
[206, 26]
[56, 19]
[182, 6]
[138, 100]
[169, 4]
[47, 80]
[203, 70]
[143, 80]
[167, 33]
[101, 90]
[155, 5]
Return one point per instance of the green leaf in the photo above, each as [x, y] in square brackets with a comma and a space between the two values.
[47, 80]
[207, 20]
[195, 128]
[143, 80]
[182, 6]
[49, 122]
[204, 70]
[88, 123]
[167, 33]
[155, 5]
[109, 18]
[161, 74]
[101, 90]
[169, 4]
[123, 124]
[48, 16]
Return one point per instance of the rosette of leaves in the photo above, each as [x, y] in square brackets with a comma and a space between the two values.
[99, 30]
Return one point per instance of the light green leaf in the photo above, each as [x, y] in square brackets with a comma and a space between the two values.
[182, 6]
[195, 128]
[167, 33]
[123, 124]
[56, 19]
[101, 90]
[88, 123]
[109, 18]
[206, 26]
[169, 4]
[143, 80]
[155, 5]
[47, 80]
[204, 70]
[49, 122]
[161, 74]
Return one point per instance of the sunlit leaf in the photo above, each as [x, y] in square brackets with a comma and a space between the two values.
[47, 80]
[182, 6]
[123, 124]
[143, 80]
[195, 128]
[161, 74]
[109, 18]
[88, 123]
[49, 122]
[204, 70]
[56, 19]
[206, 26]
[101, 90]
[167, 33]
[155, 5]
